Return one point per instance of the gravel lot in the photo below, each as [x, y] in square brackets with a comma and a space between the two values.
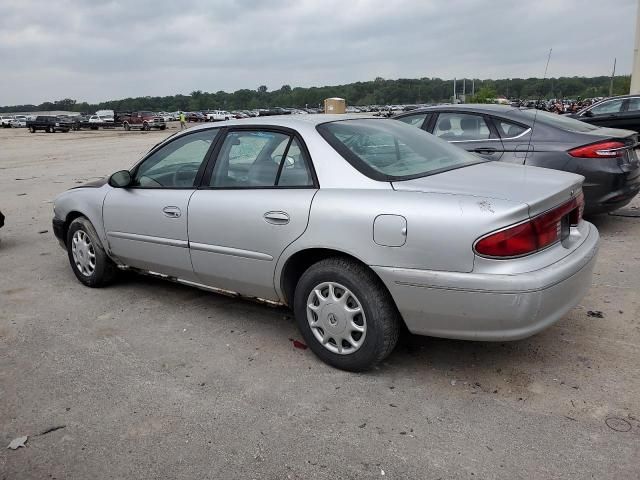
[155, 380]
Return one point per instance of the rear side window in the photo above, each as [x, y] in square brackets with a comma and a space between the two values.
[634, 104]
[461, 126]
[416, 120]
[389, 150]
[507, 129]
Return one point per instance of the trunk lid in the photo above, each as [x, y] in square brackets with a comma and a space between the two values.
[539, 188]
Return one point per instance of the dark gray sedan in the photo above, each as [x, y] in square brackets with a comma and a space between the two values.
[606, 157]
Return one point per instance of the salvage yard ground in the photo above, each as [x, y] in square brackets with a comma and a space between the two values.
[149, 379]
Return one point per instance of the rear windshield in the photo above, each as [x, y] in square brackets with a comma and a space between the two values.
[389, 150]
[559, 121]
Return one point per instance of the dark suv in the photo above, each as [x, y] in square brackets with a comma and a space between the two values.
[49, 124]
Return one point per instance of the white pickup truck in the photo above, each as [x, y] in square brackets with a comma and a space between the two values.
[218, 115]
[5, 121]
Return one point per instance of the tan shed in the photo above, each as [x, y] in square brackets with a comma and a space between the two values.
[335, 105]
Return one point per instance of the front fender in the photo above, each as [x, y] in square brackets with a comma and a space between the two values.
[86, 201]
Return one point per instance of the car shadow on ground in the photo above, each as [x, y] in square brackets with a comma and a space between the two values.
[413, 354]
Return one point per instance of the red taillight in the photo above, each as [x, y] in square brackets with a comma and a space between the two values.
[599, 150]
[533, 235]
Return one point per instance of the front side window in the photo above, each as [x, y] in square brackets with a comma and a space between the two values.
[461, 126]
[389, 150]
[254, 158]
[176, 164]
[416, 120]
[612, 106]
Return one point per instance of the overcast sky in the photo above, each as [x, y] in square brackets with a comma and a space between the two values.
[94, 51]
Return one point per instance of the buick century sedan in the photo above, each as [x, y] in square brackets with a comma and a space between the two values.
[360, 225]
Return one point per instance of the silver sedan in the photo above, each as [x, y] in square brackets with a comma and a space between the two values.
[360, 225]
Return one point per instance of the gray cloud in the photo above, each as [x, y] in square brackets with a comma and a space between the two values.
[104, 50]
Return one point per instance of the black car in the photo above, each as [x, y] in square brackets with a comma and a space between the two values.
[614, 112]
[49, 124]
[606, 157]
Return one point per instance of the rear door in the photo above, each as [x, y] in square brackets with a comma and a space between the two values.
[473, 132]
[254, 201]
[146, 224]
[630, 116]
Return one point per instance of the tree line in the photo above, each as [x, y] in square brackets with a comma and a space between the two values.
[377, 92]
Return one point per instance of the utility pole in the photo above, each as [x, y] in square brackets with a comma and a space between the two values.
[454, 88]
[635, 73]
[464, 90]
[473, 87]
[613, 74]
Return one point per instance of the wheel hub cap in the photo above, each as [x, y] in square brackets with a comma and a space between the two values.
[336, 318]
[84, 255]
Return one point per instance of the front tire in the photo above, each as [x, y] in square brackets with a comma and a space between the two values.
[89, 261]
[345, 314]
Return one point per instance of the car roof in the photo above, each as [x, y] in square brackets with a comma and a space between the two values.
[290, 121]
[488, 108]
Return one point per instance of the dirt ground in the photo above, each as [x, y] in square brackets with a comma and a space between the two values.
[148, 379]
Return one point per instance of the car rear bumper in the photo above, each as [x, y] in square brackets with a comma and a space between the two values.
[478, 306]
[605, 191]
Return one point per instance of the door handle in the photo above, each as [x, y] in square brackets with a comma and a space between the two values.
[172, 212]
[277, 218]
[485, 150]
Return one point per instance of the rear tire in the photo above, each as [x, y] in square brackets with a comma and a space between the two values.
[126, 126]
[146, 127]
[32, 129]
[89, 262]
[345, 314]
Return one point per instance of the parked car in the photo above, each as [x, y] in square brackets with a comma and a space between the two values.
[196, 117]
[144, 121]
[606, 157]
[100, 119]
[5, 121]
[615, 112]
[358, 225]
[217, 115]
[49, 124]
[1, 220]
[19, 121]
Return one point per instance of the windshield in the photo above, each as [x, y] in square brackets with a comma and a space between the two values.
[390, 150]
[559, 121]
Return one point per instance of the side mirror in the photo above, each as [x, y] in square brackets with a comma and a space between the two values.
[120, 179]
[588, 113]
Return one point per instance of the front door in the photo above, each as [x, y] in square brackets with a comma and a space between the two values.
[470, 131]
[605, 114]
[146, 224]
[252, 205]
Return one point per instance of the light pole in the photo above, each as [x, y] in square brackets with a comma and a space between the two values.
[635, 73]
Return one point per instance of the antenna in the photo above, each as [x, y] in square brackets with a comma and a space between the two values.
[535, 115]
